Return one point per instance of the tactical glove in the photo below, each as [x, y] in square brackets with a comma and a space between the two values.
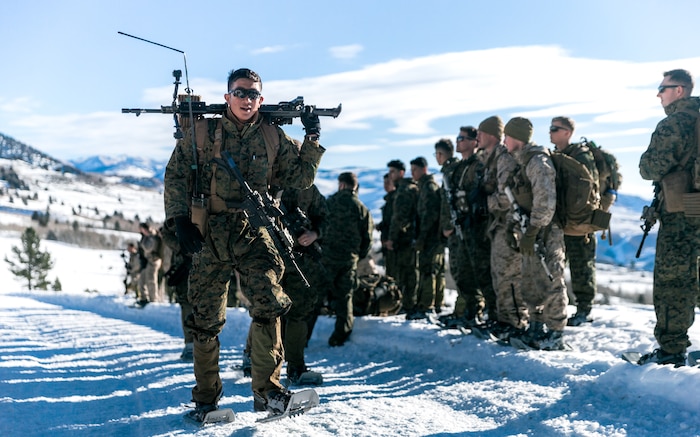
[527, 243]
[188, 235]
[312, 125]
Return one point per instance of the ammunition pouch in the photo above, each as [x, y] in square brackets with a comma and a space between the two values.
[674, 186]
[199, 214]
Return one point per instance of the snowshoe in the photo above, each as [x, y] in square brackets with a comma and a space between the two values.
[287, 404]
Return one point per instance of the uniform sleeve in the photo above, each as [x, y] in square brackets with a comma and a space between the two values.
[366, 233]
[498, 201]
[666, 150]
[445, 211]
[429, 215]
[540, 171]
[177, 172]
[297, 169]
[402, 216]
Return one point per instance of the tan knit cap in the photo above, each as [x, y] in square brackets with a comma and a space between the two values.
[492, 125]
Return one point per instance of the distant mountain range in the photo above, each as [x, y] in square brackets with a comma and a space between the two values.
[130, 170]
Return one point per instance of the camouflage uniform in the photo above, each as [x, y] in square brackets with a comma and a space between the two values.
[148, 279]
[383, 227]
[295, 323]
[581, 249]
[176, 278]
[678, 241]
[469, 257]
[347, 236]
[402, 233]
[506, 262]
[231, 243]
[535, 180]
[430, 246]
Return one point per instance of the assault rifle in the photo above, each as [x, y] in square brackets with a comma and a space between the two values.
[262, 212]
[649, 214]
[523, 220]
[298, 222]
[454, 217]
[279, 114]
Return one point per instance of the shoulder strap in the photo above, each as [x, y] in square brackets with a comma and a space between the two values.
[272, 144]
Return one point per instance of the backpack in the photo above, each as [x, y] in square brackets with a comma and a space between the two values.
[609, 176]
[376, 295]
[578, 209]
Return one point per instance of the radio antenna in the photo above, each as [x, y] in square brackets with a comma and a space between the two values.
[188, 90]
[184, 56]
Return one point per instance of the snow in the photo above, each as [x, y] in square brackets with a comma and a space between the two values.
[87, 363]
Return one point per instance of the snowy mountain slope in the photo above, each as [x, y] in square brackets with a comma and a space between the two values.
[76, 363]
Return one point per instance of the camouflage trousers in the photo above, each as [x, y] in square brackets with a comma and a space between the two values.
[148, 282]
[676, 280]
[580, 254]
[546, 299]
[180, 292]
[390, 266]
[231, 243]
[407, 275]
[506, 274]
[470, 298]
[431, 278]
[341, 282]
[474, 271]
[295, 324]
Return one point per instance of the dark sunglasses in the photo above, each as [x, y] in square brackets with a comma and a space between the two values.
[463, 138]
[556, 128]
[243, 93]
[662, 88]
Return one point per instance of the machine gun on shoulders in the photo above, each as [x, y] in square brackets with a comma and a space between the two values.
[185, 105]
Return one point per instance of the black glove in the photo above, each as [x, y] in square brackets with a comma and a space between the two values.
[527, 243]
[188, 235]
[312, 125]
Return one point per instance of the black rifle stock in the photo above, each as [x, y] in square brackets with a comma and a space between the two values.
[261, 213]
[649, 216]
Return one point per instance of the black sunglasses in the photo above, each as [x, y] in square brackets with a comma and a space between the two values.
[462, 138]
[556, 128]
[243, 93]
[662, 88]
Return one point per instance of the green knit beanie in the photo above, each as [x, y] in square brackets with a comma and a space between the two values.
[519, 128]
[492, 125]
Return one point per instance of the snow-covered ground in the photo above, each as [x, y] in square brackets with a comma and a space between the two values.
[86, 363]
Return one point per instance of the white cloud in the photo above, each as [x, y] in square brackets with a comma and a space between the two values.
[406, 103]
[346, 52]
[267, 50]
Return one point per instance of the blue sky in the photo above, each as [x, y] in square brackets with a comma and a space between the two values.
[407, 72]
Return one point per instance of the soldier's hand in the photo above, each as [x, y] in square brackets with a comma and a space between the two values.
[447, 232]
[527, 243]
[312, 125]
[188, 235]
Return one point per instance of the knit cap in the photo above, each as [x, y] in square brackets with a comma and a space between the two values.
[519, 128]
[492, 125]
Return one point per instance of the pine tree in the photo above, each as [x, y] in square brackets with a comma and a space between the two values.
[32, 263]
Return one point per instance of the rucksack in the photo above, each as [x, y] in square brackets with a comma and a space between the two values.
[609, 176]
[376, 295]
[578, 209]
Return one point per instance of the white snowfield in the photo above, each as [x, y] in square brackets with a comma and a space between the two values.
[78, 363]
